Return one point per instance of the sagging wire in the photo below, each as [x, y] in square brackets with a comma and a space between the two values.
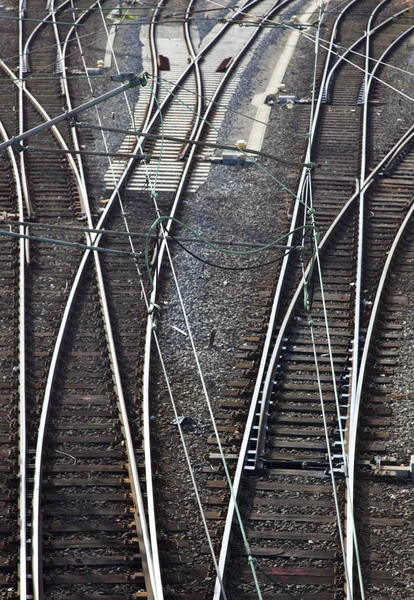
[210, 244]
[229, 268]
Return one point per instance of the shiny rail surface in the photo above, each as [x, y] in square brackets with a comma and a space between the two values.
[145, 524]
[279, 342]
[131, 461]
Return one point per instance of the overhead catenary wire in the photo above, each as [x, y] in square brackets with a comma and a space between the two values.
[307, 306]
[284, 24]
[155, 571]
[228, 267]
[220, 134]
[36, 76]
[310, 212]
[115, 232]
[167, 234]
[362, 69]
[248, 151]
[102, 250]
[144, 544]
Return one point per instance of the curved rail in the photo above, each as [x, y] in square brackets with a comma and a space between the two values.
[195, 135]
[265, 374]
[267, 385]
[36, 543]
[146, 554]
[350, 50]
[279, 341]
[358, 370]
[264, 381]
[25, 55]
[46, 117]
[378, 296]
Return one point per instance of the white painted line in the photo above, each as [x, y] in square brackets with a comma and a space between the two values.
[258, 131]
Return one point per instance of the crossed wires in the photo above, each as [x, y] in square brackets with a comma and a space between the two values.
[351, 63]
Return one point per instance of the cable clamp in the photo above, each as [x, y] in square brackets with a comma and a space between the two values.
[134, 80]
[154, 308]
[20, 148]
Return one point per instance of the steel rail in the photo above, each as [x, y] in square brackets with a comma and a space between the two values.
[37, 542]
[46, 117]
[149, 327]
[24, 255]
[140, 516]
[405, 139]
[26, 195]
[279, 341]
[150, 122]
[195, 135]
[146, 420]
[22, 449]
[268, 384]
[265, 364]
[264, 407]
[132, 466]
[152, 117]
[350, 534]
[350, 50]
[376, 304]
[61, 57]
[351, 542]
[264, 380]
[25, 55]
[355, 395]
[95, 240]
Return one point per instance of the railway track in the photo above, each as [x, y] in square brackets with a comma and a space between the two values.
[309, 363]
[173, 570]
[57, 201]
[89, 333]
[70, 372]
